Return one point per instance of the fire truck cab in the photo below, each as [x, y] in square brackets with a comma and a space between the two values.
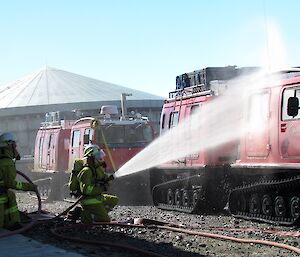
[272, 116]
[58, 143]
[121, 138]
[52, 144]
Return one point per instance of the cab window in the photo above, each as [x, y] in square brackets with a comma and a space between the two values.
[41, 144]
[76, 138]
[89, 131]
[287, 93]
[163, 121]
[174, 119]
[194, 109]
[51, 142]
[194, 120]
[140, 133]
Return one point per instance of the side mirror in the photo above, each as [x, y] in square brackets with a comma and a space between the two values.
[86, 139]
[293, 106]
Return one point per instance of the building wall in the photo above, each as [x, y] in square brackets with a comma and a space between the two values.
[26, 125]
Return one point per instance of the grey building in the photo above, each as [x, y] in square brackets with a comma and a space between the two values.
[24, 102]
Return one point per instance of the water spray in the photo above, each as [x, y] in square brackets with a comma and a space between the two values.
[218, 122]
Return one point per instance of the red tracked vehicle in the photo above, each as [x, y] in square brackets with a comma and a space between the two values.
[259, 172]
[59, 143]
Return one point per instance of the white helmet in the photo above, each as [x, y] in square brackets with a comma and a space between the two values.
[94, 150]
[7, 139]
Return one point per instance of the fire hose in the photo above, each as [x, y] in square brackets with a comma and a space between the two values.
[274, 232]
[136, 250]
[33, 222]
[143, 223]
[233, 239]
[146, 223]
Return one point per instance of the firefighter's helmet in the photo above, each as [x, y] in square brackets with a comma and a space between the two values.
[94, 150]
[7, 139]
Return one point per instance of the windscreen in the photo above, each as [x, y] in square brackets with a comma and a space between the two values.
[125, 134]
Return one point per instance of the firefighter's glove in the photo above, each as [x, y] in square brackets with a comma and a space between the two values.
[111, 177]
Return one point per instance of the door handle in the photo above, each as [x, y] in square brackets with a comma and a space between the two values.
[283, 127]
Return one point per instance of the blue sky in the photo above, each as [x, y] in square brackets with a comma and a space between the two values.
[145, 44]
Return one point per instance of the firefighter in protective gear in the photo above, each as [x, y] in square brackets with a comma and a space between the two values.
[9, 213]
[93, 183]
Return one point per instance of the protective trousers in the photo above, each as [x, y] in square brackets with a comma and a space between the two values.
[97, 208]
[3, 202]
[11, 212]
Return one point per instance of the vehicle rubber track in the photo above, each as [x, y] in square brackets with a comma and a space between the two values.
[276, 202]
[184, 195]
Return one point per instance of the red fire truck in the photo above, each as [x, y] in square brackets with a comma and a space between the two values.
[59, 143]
[259, 174]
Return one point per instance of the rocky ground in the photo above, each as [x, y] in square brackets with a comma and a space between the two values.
[163, 242]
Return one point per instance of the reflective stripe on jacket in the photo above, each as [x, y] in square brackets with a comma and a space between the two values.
[10, 210]
[3, 199]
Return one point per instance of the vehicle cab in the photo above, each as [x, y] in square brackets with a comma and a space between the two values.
[272, 116]
[121, 138]
[52, 144]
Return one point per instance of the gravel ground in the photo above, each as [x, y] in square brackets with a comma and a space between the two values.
[160, 241]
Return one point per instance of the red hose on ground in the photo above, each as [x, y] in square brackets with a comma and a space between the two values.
[29, 225]
[234, 239]
[180, 230]
[274, 232]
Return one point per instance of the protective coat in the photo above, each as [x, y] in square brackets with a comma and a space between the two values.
[93, 182]
[9, 213]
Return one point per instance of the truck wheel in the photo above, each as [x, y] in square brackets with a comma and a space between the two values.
[280, 209]
[295, 207]
[267, 205]
[195, 199]
[185, 198]
[170, 197]
[254, 204]
[178, 197]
